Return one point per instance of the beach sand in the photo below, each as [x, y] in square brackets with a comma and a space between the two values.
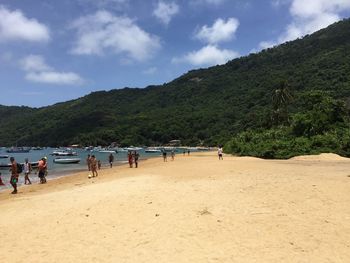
[195, 209]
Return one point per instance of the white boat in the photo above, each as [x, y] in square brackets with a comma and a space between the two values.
[64, 153]
[132, 148]
[4, 156]
[66, 160]
[152, 150]
[107, 151]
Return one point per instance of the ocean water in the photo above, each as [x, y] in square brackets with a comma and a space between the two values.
[58, 170]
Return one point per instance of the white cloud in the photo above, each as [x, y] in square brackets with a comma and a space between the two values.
[38, 71]
[53, 77]
[220, 31]
[104, 4]
[15, 26]
[165, 11]
[212, 2]
[308, 17]
[103, 32]
[34, 63]
[150, 71]
[208, 56]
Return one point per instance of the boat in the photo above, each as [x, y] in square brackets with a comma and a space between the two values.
[201, 148]
[4, 166]
[66, 160]
[18, 150]
[152, 150]
[132, 148]
[107, 151]
[63, 153]
[37, 148]
[4, 156]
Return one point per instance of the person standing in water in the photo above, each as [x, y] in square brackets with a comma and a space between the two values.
[130, 159]
[88, 162]
[111, 160]
[164, 156]
[14, 175]
[27, 168]
[172, 155]
[136, 158]
[42, 167]
[94, 166]
[1, 182]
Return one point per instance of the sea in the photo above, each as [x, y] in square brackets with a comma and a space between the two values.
[58, 170]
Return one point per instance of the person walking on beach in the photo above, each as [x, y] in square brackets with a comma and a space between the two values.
[14, 175]
[88, 162]
[130, 159]
[136, 158]
[188, 152]
[111, 160]
[164, 156]
[1, 182]
[99, 164]
[220, 153]
[27, 168]
[94, 166]
[42, 167]
[172, 155]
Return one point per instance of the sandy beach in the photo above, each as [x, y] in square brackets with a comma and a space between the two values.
[194, 209]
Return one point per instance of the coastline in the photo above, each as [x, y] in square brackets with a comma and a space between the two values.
[195, 209]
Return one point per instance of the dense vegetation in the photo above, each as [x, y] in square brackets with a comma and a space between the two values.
[323, 126]
[211, 106]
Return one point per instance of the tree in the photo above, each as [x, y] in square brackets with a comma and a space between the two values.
[281, 98]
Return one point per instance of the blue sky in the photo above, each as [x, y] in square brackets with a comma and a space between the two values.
[52, 51]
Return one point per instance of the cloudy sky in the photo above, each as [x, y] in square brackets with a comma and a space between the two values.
[52, 51]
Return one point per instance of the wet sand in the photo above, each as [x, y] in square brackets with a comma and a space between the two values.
[195, 209]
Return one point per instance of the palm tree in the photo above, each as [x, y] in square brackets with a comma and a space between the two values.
[281, 98]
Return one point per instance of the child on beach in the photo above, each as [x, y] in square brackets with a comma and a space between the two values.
[99, 164]
[172, 155]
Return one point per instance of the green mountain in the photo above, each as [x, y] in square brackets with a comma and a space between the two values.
[206, 106]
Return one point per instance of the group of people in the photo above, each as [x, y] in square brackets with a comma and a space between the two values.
[133, 158]
[165, 158]
[94, 164]
[17, 168]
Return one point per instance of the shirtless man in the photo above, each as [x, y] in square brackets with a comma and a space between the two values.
[93, 166]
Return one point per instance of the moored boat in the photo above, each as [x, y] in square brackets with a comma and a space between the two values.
[64, 153]
[18, 150]
[66, 160]
[4, 156]
[152, 150]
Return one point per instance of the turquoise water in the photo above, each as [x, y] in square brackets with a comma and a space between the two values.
[57, 170]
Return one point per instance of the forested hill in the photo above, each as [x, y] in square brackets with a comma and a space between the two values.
[203, 106]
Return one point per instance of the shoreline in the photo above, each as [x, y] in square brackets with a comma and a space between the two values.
[67, 179]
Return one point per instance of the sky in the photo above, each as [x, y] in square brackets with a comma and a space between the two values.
[53, 51]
